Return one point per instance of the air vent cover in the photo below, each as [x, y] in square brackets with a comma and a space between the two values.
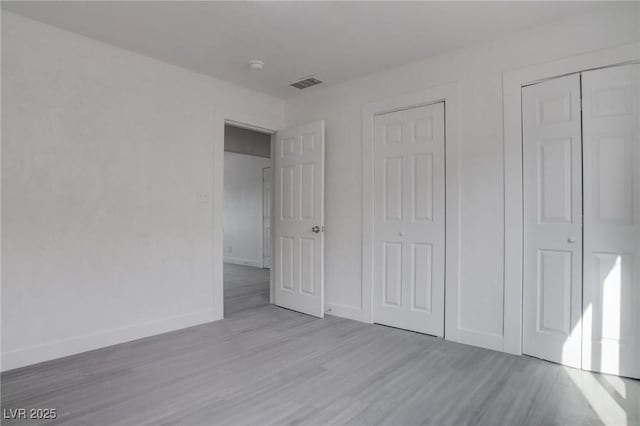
[306, 82]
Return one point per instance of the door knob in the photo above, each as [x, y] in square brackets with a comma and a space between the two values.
[401, 234]
[571, 240]
[315, 229]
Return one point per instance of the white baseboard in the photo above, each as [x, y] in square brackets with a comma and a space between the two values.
[75, 345]
[343, 311]
[481, 339]
[241, 261]
[465, 336]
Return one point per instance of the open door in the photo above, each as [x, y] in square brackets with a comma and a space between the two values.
[298, 234]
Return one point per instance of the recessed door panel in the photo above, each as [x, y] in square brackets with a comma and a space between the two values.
[611, 123]
[422, 277]
[552, 176]
[393, 189]
[307, 196]
[422, 187]
[393, 133]
[287, 180]
[286, 263]
[423, 130]
[554, 108]
[409, 219]
[307, 278]
[555, 181]
[613, 172]
[554, 291]
[392, 274]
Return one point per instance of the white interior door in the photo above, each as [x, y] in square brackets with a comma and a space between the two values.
[298, 257]
[266, 217]
[552, 172]
[611, 341]
[409, 219]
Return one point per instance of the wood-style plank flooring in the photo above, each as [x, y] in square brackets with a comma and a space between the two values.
[265, 365]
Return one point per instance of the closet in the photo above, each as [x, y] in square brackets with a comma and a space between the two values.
[581, 187]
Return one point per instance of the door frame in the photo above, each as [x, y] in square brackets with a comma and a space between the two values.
[448, 94]
[513, 82]
[270, 215]
[217, 200]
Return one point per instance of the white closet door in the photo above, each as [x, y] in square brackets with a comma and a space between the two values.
[612, 220]
[298, 257]
[552, 292]
[409, 219]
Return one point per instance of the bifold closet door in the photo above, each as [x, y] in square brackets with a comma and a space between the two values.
[409, 219]
[611, 144]
[552, 173]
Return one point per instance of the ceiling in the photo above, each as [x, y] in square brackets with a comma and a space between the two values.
[335, 41]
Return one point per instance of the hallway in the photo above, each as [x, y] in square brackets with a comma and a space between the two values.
[244, 287]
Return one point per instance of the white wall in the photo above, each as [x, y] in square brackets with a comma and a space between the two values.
[478, 73]
[107, 182]
[243, 208]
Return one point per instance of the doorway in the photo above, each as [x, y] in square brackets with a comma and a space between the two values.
[273, 198]
[247, 204]
[581, 168]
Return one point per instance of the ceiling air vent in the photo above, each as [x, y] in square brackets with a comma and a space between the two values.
[306, 82]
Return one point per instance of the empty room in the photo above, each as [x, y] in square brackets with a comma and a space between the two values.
[320, 213]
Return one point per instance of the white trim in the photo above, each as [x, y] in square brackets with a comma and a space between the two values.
[249, 127]
[217, 200]
[74, 345]
[449, 94]
[343, 311]
[242, 261]
[272, 276]
[513, 210]
[264, 264]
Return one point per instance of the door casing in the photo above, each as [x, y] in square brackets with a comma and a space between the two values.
[449, 95]
[267, 208]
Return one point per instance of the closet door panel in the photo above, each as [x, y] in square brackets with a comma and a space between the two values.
[552, 220]
[611, 144]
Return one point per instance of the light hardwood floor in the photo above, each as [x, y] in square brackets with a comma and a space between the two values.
[266, 365]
